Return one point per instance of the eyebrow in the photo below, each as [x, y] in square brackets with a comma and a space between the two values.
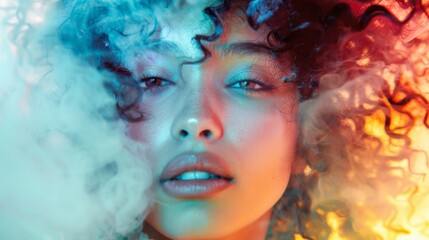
[236, 48]
[162, 46]
[245, 49]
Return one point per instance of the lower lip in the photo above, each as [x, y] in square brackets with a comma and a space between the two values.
[195, 188]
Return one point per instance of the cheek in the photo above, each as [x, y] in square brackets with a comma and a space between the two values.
[263, 128]
[153, 132]
[261, 147]
[266, 143]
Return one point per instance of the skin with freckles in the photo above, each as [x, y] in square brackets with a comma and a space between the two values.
[234, 106]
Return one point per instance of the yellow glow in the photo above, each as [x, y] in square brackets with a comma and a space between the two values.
[363, 62]
[335, 223]
[307, 170]
[298, 237]
[410, 221]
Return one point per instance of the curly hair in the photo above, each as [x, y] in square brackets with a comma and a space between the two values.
[350, 69]
[355, 76]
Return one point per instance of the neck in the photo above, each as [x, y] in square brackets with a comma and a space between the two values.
[254, 231]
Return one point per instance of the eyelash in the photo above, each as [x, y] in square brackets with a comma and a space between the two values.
[263, 87]
[145, 79]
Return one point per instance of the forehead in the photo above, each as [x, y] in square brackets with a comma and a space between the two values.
[179, 25]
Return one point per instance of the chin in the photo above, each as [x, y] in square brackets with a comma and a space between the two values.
[192, 225]
[192, 232]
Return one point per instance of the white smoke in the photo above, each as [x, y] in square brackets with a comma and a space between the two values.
[67, 171]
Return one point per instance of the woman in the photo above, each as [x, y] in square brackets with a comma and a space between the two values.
[244, 106]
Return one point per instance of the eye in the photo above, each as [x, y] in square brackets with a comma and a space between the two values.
[247, 84]
[150, 82]
[250, 85]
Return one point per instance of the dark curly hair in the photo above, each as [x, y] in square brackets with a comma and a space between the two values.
[354, 75]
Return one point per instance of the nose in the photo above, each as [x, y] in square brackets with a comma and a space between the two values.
[198, 119]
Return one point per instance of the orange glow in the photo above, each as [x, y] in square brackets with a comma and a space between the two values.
[410, 220]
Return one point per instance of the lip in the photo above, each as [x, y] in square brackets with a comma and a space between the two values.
[201, 188]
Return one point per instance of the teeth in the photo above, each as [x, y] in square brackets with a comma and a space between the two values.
[197, 175]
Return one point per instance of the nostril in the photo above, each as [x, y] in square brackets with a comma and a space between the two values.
[183, 133]
[207, 133]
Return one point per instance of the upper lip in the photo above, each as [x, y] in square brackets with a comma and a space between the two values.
[206, 162]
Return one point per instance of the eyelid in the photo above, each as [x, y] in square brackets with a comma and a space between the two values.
[261, 87]
[154, 72]
[251, 76]
[145, 79]
[159, 74]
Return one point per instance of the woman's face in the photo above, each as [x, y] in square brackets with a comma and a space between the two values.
[220, 134]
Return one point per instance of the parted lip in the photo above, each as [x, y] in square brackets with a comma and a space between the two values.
[206, 162]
